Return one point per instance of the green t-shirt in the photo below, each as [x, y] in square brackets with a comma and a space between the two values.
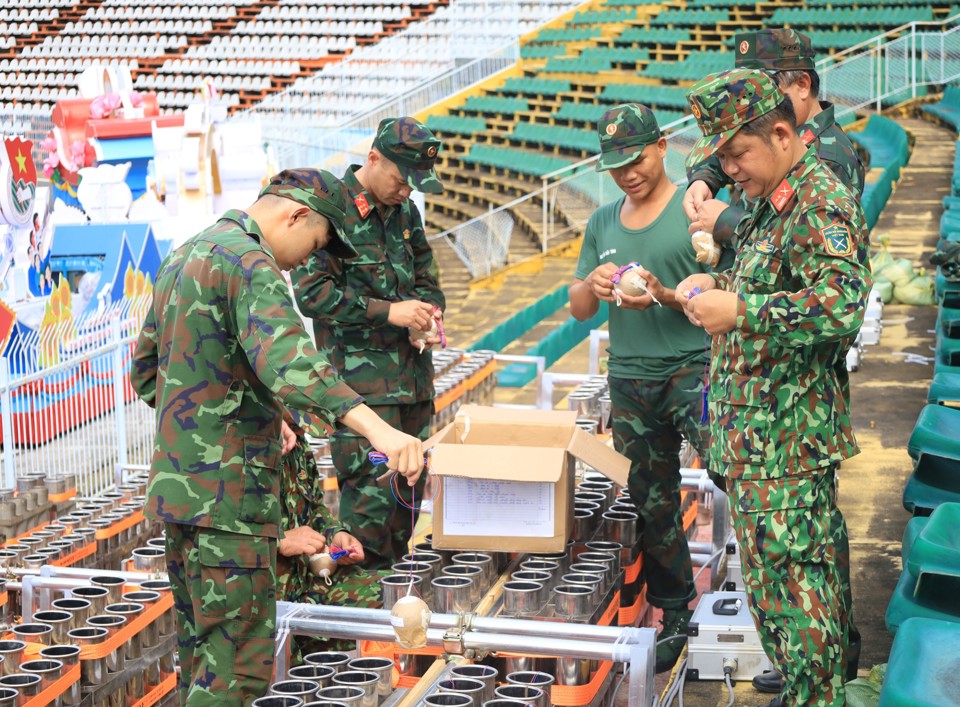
[656, 343]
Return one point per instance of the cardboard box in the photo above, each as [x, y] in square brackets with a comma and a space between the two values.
[508, 478]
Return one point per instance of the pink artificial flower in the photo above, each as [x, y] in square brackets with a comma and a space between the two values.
[98, 109]
[112, 102]
[49, 143]
[50, 164]
[78, 154]
[136, 100]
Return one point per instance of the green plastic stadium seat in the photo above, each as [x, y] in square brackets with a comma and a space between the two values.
[930, 580]
[935, 446]
[922, 668]
[944, 389]
[948, 292]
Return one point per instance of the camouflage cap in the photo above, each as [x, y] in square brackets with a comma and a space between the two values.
[411, 146]
[773, 50]
[624, 131]
[724, 102]
[322, 192]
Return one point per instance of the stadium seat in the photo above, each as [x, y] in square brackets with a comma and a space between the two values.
[935, 446]
[921, 670]
[929, 583]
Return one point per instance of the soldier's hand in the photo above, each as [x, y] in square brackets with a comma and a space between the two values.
[302, 540]
[638, 302]
[686, 291]
[287, 437]
[655, 289]
[404, 453]
[411, 313]
[345, 541]
[715, 311]
[600, 283]
[696, 194]
[707, 214]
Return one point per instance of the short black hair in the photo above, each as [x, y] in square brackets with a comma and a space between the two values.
[788, 78]
[761, 126]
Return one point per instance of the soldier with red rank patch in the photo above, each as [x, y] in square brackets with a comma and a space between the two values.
[779, 419]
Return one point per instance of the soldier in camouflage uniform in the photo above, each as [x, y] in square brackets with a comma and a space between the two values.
[779, 422]
[303, 512]
[221, 353]
[657, 358]
[363, 310]
[788, 57]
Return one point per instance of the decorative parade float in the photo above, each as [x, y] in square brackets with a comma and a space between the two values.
[79, 251]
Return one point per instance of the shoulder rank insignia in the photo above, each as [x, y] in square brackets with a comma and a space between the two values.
[765, 246]
[781, 195]
[363, 207]
[836, 240]
[808, 136]
[406, 234]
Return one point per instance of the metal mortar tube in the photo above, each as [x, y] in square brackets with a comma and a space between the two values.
[150, 635]
[69, 656]
[112, 663]
[167, 622]
[130, 611]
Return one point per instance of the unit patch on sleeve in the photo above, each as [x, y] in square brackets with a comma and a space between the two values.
[836, 240]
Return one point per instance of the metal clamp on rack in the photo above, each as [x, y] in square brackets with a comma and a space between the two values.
[453, 636]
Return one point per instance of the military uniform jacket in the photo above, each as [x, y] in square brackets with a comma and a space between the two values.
[802, 275]
[829, 142]
[350, 299]
[221, 351]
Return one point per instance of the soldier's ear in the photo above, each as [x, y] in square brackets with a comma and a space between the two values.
[298, 214]
[783, 134]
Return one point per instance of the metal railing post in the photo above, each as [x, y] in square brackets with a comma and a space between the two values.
[118, 381]
[546, 207]
[913, 60]
[879, 84]
[6, 425]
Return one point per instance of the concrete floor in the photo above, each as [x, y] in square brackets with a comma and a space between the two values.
[888, 393]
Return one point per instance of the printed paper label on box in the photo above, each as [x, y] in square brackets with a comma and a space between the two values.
[484, 507]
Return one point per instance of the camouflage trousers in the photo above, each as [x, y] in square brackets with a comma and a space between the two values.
[650, 419]
[841, 545]
[792, 582]
[225, 598]
[368, 508]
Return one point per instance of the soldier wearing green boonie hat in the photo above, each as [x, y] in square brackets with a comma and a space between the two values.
[779, 422]
[223, 357]
[411, 146]
[624, 131]
[323, 193]
[788, 56]
[657, 357]
[364, 310]
[773, 50]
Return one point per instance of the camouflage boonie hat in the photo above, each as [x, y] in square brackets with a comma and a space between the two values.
[724, 102]
[624, 131]
[411, 146]
[773, 50]
[322, 192]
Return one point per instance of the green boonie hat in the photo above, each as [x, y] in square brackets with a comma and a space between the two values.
[724, 102]
[322, 192]
[411, 146]
[773, 50]
[624, 131]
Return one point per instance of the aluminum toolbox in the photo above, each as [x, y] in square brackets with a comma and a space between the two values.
[721, 628]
